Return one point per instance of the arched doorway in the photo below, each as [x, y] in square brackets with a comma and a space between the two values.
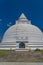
[21, 45]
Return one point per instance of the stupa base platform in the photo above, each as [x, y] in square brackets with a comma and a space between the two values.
[23, 50]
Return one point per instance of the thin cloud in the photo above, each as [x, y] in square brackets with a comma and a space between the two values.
[0, 19]
[9, 24]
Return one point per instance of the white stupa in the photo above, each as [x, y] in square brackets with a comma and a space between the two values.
[22, 35]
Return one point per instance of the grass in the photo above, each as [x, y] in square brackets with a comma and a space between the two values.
[2, 52]
[39, 50]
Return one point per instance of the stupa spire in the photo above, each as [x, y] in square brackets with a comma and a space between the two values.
[23, 20]
[22, 16]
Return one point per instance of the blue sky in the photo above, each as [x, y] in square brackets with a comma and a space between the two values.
[10, 10]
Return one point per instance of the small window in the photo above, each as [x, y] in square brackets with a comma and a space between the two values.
[21, 45]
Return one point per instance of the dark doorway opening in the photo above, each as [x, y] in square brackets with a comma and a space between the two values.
[21, 45]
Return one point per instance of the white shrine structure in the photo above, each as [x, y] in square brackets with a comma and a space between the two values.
[22, 36]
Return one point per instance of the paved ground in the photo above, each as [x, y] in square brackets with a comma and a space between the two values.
[19, 63]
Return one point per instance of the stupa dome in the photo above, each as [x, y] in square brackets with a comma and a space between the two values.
[23, 30]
